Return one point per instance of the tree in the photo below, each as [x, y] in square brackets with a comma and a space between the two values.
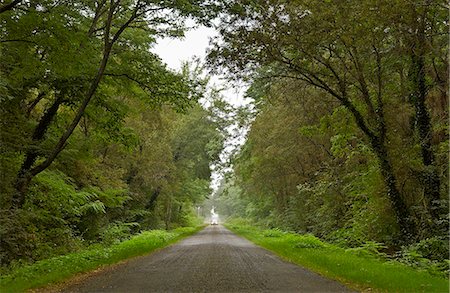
[422, 41]
[104, 29]
[346, 49]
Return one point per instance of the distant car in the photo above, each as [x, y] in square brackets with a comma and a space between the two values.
[215, 219]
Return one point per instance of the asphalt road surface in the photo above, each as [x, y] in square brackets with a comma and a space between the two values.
[213, 260]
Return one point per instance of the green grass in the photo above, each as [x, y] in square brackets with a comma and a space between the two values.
[357, 271]
[49, 271]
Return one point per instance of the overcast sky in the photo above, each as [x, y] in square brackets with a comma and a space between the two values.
[174, 51]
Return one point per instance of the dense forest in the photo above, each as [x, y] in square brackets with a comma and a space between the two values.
[99, 140]
[346, 139]
[349, 141]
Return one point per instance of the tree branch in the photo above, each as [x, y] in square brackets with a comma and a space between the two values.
[99, 11]
[9, 6]
[316, 81]
[127, 76]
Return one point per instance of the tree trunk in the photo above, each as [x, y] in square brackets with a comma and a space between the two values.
[402, 214]
[22, 180]
[108, 44]
[168, 216]
[377, 141]
[430, 177]
[152, 201]
[33, 104]
[26, 176]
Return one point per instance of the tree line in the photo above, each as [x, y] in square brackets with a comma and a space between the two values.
[350, 138]
[99, 140]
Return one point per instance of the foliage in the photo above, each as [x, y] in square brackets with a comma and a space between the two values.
[55, 269]
[345, 144]
[89, 198]
[429, 254]
[369, 248]
[357, 270]
[117, 232]
[273, 233]
[308, 241]
[347, 137]
[99, 139]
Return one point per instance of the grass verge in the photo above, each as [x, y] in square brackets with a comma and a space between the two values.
[360, 272]
[52, 270]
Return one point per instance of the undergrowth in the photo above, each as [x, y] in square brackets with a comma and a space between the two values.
[363, 268]
[56, 269]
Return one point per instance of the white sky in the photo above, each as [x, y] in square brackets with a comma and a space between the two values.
[174, 51]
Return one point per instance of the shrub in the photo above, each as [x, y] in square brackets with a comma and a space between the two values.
[273, 233]
[117, 232]
[430, 254]
[369, 249]
[308, 241]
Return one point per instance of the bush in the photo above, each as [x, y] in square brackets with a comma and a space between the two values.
[369, 249]
[308, 241]
[57, 268]
[430, 254]
[435, 248]
[346, 237]
[273, 233]
[27, 236]
[117, 232]
[17, 238]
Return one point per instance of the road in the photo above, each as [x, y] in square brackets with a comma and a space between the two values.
[213, 260]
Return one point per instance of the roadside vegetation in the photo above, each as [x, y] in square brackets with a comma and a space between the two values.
[349, 136]
[56, 269]
[364, 268]
[99, 140]
[348, 133]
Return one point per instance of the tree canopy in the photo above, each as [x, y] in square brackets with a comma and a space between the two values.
[346, 137]
[99, 139]
[351, 135]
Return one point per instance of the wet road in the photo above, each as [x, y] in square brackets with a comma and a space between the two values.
[213, 260]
